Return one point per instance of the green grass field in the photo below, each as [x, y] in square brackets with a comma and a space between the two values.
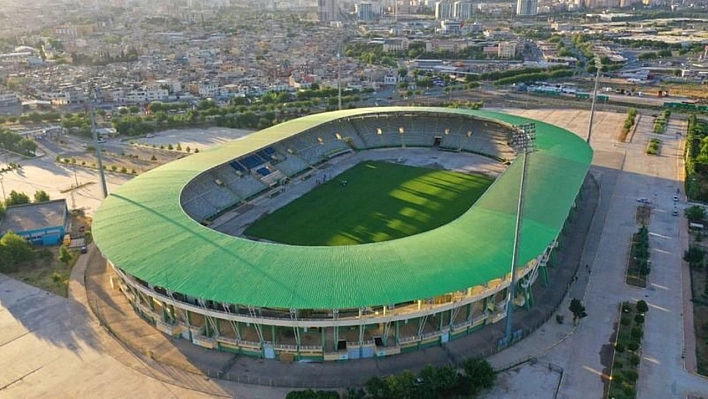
[381, 201]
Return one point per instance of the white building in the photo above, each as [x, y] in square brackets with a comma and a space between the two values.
[450, 27]
[526, 8]
[463, 9]
[444, 9]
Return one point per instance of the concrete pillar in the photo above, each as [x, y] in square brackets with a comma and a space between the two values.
[543, 271]
[397, 334]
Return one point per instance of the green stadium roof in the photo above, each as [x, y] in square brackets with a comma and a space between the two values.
[142, 229]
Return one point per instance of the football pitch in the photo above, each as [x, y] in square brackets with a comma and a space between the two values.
[372, 202]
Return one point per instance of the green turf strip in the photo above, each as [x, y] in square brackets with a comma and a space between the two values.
[380, 201]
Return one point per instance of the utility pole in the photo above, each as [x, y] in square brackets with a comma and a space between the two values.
[524, 142]
[102, 175]
[598, 65]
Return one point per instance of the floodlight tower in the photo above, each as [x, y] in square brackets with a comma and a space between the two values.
[598, 65]
[104, 188]
[523, 141]
[339, 77]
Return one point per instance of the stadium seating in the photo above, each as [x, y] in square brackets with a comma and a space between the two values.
[220, 197]
[292, 165]
[246, 187]
[198, 208]
[248, 176]
[252, 161]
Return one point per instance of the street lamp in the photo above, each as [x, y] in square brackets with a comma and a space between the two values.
[523, 140]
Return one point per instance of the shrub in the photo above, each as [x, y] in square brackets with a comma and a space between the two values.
[631, 375]
[619, 347]
[629, 391]
[637, 332]
[170, 147]
[618, 378]
[123, 170]
[114, 168]
[634, 360]
[625, 321]
[639, 319]
[626, 308]
[642, 307]
[153, 158]
[619, 365]
[633, 346]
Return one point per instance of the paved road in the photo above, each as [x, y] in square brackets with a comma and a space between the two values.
[584, 355]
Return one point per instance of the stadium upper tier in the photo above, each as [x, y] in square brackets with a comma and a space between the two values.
[144, 228]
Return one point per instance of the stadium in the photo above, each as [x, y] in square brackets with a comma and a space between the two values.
[220, 247]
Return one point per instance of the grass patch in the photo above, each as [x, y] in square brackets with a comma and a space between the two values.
[661, 121]
[380, 201]
[628, 124]
[653, 147]
[628, 351]
[638, 261]
[46, 272]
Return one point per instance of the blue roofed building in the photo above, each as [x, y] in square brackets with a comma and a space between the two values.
[44, 223]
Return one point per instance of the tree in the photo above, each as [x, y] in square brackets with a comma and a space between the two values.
[16, 198]
[16, 249]
[64, 255]
[480, 373]
[41, 196]
[577, 309]
[642, 307]
[402, 72]
[377, 388]
[695, 213]
[694, 256]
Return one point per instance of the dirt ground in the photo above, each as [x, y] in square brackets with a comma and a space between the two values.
[643, 215]
[139, 159]
[46, 272]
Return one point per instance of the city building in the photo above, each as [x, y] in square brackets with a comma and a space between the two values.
[8, 98]
[364, 12]
[444, 9]
[451, 27]
[326, 10]
[507, 50]
[463, 9]
[526, 8]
